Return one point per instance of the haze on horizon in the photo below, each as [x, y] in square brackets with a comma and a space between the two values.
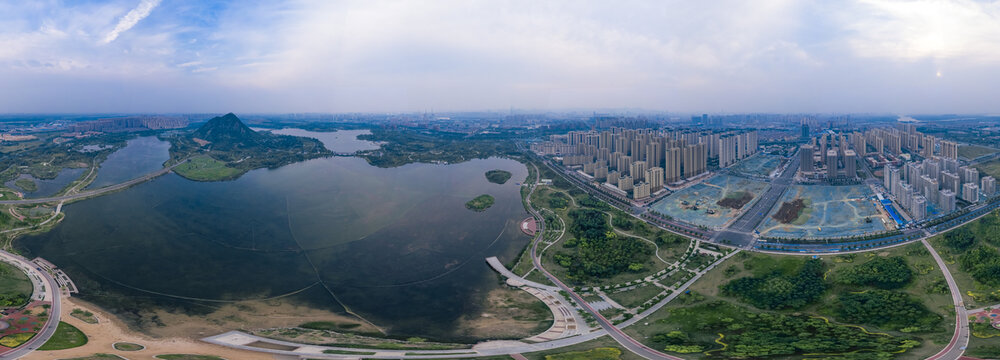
[374, 56]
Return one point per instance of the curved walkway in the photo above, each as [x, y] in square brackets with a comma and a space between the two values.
[50, 293]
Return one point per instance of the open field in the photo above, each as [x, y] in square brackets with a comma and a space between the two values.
[699, 204]
[205, 168]
[973, 151]
[759, 164]
[66, 337]
[823, 212]
[969, 252]
[991, 168]
[692, 314]
[15, 288]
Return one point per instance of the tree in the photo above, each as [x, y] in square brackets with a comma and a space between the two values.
[884, 272]
[960, 239]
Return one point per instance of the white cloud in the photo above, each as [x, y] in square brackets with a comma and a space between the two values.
[935, 29]
[131, 18]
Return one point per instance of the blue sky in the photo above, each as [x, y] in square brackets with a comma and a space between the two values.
[392, 56]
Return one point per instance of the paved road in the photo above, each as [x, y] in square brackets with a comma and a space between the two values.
[616, 333]
[739, 233]
[960, 339]
[51, 294]
[96, 192]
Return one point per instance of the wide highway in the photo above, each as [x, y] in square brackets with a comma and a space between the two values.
[739, 232]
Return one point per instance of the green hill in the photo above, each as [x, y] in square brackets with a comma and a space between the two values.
[228, 131]
[225, 148]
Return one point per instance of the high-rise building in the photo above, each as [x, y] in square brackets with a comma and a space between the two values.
[918, 207]
[625, 183]
[638, 170]
[970, 192]
[951, 181]
[946, 201]
[601, 172]
[890, 179]
[969, 174]
[850, 164]
[641, 191]
[831, 164]
[654, 176]
[613, 177]
[949, 150]
[928, 147]
[672, 165]
[805, 131]
[988, 186]
[949, 165]
[931, 188]
[806, 158]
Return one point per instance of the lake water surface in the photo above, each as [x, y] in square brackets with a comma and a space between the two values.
[47, 187]
[396, 245]
[139, 157]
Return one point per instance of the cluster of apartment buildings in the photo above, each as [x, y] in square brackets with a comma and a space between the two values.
[645, 161]
[830, 156]
[939, 181]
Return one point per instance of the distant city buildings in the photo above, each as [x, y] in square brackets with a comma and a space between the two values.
[645, 161]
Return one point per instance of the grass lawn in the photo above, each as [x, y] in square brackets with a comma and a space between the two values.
[925, 275]
[14, 285]
[66, 337]
[99, 357]
[127, 346]
[574, 350]
[205, 168]
[991, 168]
[635, 297]
[973, 151]
[187, 357]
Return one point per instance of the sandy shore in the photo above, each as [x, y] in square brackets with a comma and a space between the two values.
[109, 330]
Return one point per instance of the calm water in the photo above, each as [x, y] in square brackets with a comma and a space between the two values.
[396, 245]
[48, 187]
[343, 141]
[141, 156]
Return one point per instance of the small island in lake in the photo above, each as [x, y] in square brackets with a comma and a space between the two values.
[498, 176]
[480, 203]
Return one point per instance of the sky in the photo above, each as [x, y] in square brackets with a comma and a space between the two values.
[175, 56]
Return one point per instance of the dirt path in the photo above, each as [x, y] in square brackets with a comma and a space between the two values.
[103, 335]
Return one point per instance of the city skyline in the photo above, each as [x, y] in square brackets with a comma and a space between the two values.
[776, 56]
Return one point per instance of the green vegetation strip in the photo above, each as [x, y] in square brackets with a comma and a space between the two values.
[345, 352]
[66, 337]
[15, 340]
[594, 354]
[187, 357]
[127, 346]
[98, 357]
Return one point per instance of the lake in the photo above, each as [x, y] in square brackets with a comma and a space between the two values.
[47, 187]
[139, 157]
[395, 245]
